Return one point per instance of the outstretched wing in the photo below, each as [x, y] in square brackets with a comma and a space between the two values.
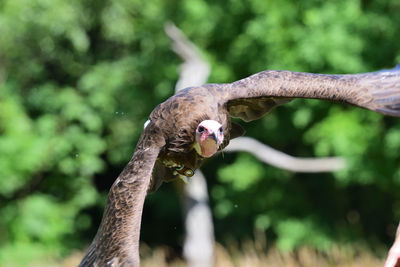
[252, 97]
[117, 239]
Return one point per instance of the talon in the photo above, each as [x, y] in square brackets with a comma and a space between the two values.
[189, 173]
[185, 171]
[185, 179]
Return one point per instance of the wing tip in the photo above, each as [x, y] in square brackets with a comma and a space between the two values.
[387, 98]
[389, 111]
[395, 68]
[388, 105]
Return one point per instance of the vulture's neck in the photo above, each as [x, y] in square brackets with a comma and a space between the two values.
[196, 146]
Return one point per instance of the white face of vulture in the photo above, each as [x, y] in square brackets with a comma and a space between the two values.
[209, 136]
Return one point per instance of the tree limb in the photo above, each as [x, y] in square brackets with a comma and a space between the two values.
[281, 160]
[194, 69]
[198, 247]
[199, 240]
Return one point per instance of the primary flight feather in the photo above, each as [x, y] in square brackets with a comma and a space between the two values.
[195, 123]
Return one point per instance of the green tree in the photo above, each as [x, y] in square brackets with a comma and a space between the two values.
[78, 78]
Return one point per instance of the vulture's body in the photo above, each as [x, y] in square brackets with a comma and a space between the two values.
[166, 151]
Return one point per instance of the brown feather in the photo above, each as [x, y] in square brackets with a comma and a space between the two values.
[117, 240]
[252, 97]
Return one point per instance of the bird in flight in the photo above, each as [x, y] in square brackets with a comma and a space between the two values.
[196, 123]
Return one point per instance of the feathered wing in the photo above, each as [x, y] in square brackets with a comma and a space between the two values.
[117, 239]
[252, 97]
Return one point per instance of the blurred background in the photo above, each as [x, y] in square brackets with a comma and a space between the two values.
[79, 78]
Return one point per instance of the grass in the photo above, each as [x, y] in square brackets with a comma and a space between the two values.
[252, 255]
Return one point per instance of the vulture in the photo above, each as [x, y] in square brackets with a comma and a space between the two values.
[195, 123]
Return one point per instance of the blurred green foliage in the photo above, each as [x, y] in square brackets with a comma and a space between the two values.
[78, 79]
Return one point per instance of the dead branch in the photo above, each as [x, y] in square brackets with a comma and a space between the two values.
[198, 247]
[194, 69]
[199, 239]
[284, 161]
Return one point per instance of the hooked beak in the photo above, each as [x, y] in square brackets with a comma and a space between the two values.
[214, 136]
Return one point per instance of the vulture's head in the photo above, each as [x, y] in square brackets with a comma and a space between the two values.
[209, 136]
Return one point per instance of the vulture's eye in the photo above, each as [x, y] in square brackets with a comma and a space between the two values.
[200, 129]
[220, 129]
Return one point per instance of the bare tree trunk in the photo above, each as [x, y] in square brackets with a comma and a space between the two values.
[198, 248]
